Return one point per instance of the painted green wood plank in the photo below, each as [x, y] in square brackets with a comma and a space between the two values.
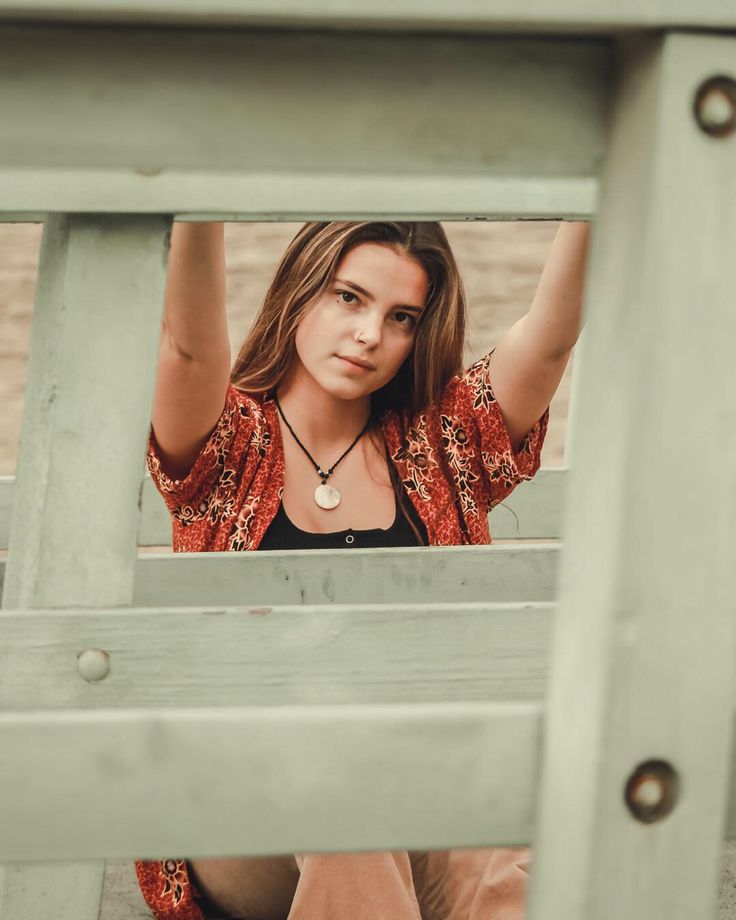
[456, 574]
[574, 16]
[532, 512]
[576, 384]
[444, 145]
[478, 763]
[272, 656]
[87, 411]
[646, 632]
[433, 574]
[7, 490]
[266, 196]
[507, 199]
[291, 779]
[12, 217]
[91, 372]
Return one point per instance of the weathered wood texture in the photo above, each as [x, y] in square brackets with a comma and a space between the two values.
[91, 372]
[274, 656]
[402, 575]
[87, 412]
[75, 136]
[351, 778]
[275, 663]
[643, 662]
[290, 779]
[547, 16]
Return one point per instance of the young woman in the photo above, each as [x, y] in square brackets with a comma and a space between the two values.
[347, 420]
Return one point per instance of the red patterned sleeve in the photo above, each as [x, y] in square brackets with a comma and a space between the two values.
[469, 399]
[215, 464]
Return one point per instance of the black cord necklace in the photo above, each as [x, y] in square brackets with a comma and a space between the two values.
[327, 497]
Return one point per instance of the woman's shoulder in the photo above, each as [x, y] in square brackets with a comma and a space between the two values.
[225, 450]
[465, 387]
[464, 393]
[250, 406]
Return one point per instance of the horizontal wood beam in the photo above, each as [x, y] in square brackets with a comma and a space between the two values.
[400, 575]
[138, 783]
[351, 778]
[571, 200]
[207, 195]
[261, 656]
[547, 16]
[283, 125]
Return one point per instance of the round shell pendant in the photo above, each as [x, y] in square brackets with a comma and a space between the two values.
[327, 497]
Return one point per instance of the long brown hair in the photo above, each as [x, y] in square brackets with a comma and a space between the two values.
[306, 271]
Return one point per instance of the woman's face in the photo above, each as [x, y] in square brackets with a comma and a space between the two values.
[376, 324]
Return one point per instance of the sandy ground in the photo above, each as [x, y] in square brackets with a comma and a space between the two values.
[500, 264]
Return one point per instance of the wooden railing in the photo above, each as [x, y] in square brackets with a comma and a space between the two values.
[590, 679]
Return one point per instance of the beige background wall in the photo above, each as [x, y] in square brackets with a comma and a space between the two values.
[500, 263]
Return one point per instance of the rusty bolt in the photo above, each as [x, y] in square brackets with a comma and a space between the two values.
[714, 106]
[652, 790]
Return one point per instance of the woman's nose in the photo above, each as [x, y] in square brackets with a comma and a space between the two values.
[368, 332]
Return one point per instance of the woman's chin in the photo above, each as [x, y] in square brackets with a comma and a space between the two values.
[348, 393]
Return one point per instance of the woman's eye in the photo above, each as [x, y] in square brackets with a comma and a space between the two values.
[412, 320]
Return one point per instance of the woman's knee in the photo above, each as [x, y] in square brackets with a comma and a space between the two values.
[246, 888]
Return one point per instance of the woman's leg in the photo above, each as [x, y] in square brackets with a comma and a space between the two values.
[472, 884]
[355, 886]
[460, 884]
[246, 888]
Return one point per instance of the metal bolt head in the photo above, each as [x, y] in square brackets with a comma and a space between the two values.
[648, 793]
[714, 106]
[93, 664]
[652, 790]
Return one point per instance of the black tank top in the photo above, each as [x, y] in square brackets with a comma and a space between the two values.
[282, 534]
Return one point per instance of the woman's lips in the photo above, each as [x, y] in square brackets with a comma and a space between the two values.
[352, 365]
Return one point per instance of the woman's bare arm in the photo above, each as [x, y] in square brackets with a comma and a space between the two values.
[194, 353]
[529, 361]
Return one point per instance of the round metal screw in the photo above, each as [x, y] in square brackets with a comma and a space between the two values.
[714, 106]
[652, 790]
[93, 664]
[648, 793]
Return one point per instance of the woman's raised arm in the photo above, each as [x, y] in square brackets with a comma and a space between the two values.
[529, 361]
[194, 353]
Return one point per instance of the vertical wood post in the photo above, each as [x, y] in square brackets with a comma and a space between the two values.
[638, 739]
[81, 461]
